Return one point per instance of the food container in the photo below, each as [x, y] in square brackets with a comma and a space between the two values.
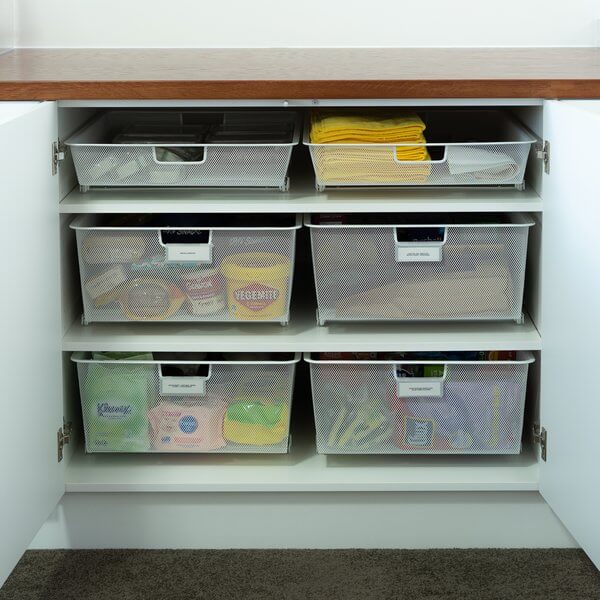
[204, 290]
[256, 284]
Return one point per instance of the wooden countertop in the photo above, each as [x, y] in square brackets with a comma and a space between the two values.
[107, 74]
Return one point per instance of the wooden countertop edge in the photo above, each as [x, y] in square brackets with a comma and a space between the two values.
[299, 89]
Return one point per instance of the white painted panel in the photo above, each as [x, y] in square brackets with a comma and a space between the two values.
[304, 520]
[7, 32]
[570, 406]
[309, 23]
[32, 480]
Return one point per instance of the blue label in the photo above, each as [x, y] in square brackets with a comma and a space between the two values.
[188, 424]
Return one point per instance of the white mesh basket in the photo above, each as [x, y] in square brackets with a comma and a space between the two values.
[197, 273]
[467, 148]
[206, 406]
[474, 271]
[471, 407]
[105, 152]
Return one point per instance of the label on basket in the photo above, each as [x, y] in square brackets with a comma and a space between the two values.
[418, 253]
[189, 252]
[416, 387]
[183, 386]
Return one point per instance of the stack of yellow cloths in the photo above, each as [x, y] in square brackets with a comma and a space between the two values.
[364, 164]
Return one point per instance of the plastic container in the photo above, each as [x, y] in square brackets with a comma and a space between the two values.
[167, 148]
[467, 148]
[186, 268]
[229, 404]
[454, 407]
[257, 284]
[421, 268]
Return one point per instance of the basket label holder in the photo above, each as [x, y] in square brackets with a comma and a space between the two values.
[419, 387]
[419, 251]
[188, 252]
[182, 385]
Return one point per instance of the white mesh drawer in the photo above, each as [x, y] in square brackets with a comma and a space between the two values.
[449, 407]
[185, 149]
[186, 268]
[425, 267]
[466, 148]
[163, 403]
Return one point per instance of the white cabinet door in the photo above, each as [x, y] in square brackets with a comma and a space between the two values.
[31, 479]
[570, 400]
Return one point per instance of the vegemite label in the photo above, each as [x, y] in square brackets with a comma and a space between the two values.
[256, 296]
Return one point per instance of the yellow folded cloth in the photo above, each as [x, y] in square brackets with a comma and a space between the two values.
[366, 164]
[336, 165]
[329, 128]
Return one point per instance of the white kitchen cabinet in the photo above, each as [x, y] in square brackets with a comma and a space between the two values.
[42, 321]
[32, 479]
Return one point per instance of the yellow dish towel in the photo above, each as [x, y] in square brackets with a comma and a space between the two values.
[375, 164]
[356, 129]
[337, 165]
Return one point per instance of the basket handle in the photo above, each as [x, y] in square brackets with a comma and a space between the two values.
[182, 161]
[418, 162]
[183, 385]
[419, 387]
[418, 251]
[187, 252]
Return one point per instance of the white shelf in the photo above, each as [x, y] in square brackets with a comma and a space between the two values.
[302, 335]
[301, 199]
[300, 471]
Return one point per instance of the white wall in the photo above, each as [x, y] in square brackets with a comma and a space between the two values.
[6, 24]
[304, 520]
[273, 23]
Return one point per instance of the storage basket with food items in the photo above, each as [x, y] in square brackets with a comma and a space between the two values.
[204, 268]
[419, 402]
[183, 402]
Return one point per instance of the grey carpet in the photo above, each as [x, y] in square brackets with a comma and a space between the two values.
[304, 575]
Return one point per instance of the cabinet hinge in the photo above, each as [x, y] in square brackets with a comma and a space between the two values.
[543, 153]
[58, 154]
[540, 436]
[63, 437]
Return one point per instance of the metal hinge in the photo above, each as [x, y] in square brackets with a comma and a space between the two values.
[58, 154]
[543, 153]
[540, 436]
[63, 437]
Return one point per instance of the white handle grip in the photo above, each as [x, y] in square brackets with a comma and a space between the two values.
[418, 162]
[178, 162]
